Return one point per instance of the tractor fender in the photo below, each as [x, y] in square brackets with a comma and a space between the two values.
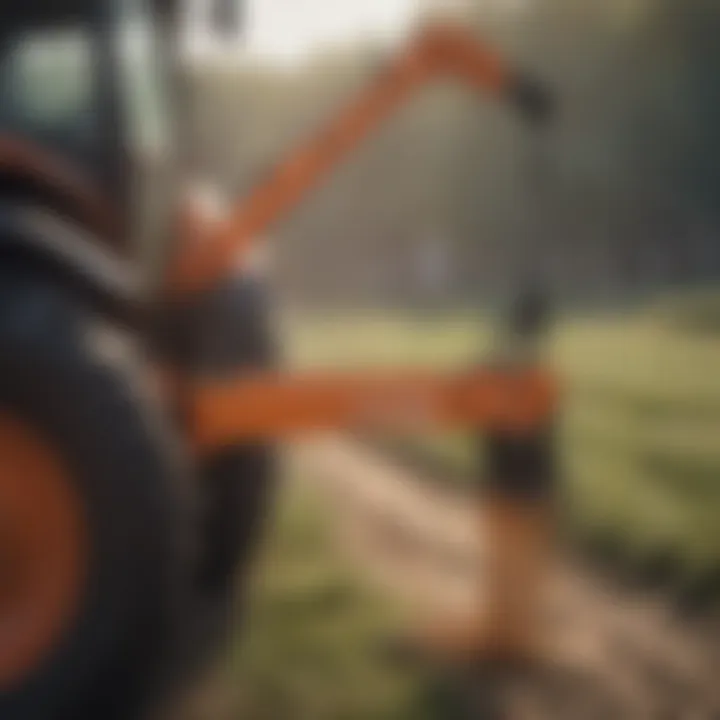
[223, 332]
[33, 236]
[219, 332]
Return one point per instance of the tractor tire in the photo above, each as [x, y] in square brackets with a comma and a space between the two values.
[113, 482]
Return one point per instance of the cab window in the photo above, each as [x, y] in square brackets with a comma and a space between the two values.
[47, 86]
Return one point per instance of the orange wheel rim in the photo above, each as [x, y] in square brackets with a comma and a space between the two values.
[42, 551]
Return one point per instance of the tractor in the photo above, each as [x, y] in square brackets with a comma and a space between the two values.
[141, 396]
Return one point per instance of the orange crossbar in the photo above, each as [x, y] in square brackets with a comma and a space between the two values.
[273, 405]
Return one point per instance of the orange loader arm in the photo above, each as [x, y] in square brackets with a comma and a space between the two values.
[266, 405]
[437, 51]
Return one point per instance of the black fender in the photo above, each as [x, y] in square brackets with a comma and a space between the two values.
[222, 333]
[63, 251]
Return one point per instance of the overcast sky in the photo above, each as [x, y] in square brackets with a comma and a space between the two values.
[286, 29]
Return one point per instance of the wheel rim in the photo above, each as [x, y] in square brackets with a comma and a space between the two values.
[43, 551]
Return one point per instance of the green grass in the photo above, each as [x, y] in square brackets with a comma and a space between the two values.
[696, 311]
[311, 648]
[640, 432]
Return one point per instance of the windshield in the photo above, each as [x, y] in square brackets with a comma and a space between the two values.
[47, 86]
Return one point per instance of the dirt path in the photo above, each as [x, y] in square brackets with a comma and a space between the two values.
[618, 654]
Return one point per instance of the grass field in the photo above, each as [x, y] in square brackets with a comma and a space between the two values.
[641, 426]
[642, 478]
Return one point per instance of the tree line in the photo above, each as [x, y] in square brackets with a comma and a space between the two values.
[618, 198]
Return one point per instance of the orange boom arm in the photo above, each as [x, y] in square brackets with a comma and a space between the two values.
[438, 51]
[263, 406]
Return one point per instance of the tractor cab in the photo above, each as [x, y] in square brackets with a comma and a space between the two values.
[85, 118]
